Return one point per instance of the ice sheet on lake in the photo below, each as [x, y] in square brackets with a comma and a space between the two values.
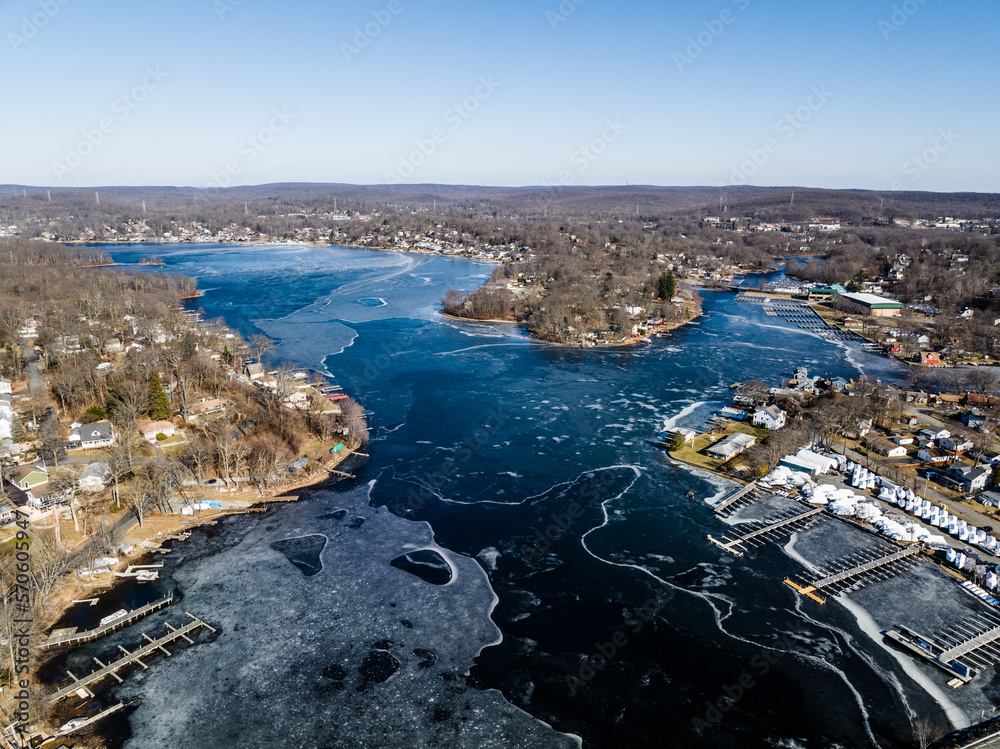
[359, 624]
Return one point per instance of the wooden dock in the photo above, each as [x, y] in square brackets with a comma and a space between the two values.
[82, 685]
[736, 546]
[881, 566]
[733, 498]
[78, 638]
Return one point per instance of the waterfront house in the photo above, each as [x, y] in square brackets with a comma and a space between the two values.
[731, 446]
[928, 359]
[687, 435]
[771, 418]
[254, 371]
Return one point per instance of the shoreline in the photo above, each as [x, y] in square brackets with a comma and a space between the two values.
[158, 526]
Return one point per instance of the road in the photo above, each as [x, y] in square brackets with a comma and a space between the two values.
[969, 515]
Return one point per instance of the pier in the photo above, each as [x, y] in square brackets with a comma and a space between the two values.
[728, 502]
[81, 686]
[78, 638]
[857, 574]
[736, 546]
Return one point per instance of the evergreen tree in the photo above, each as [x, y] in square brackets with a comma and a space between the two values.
[159, 403]
[17, 430]
[668, 285]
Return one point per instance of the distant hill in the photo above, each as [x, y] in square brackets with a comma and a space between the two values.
[769, 203]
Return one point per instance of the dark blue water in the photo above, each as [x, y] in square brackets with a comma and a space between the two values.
[619, 623]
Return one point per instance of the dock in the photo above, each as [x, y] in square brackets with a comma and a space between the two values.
[736, 546]
[855, 575]
[81, 686]
[922, 647]
[726, 503]
[78, 638]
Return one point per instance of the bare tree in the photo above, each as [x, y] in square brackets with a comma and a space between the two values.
[262, 345]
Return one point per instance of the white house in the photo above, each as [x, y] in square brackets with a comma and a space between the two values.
[153, 428]
[887, 448]
[934, 434]
[772, 418]
[930, 455]
[956, 444]
[5, 386]
[98, 434]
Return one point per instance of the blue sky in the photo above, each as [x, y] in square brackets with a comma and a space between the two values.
[875, 95]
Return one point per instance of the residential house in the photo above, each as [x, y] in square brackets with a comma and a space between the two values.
[26, 478]
[254, 371]
[204, 407]
[687, 435]
[974, 419]
[968, 478]
[731, 446]
[887, 448]
[771, 418]
[903, 439]
[955, 444]
[113, 346]
[7, 513]
[5, 386]
[153, 428]
[990, 498]
[932, 455]
[928, 359]
[934, 434]
[838, 384]
[98, 434]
